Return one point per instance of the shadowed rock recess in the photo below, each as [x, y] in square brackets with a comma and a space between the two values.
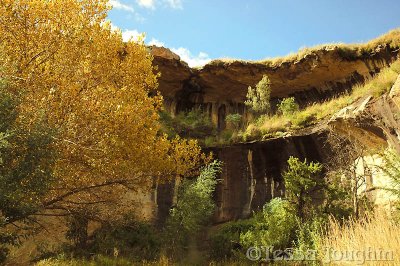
[252, 172]
[220, 88]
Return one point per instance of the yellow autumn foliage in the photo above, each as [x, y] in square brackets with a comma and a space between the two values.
[75, 73]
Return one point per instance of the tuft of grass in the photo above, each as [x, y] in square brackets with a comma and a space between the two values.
[271, 124]
[368, 236]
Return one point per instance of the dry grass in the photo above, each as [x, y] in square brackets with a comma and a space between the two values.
[380, 84]
[356, 50]
[267, 125]
[369, 239]
[103, 261]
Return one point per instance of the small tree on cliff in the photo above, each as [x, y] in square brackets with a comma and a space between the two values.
[234, 120]
[288, 106]
[258, 98]
[301, 180]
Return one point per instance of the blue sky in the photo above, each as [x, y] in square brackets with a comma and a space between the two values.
[200, 30]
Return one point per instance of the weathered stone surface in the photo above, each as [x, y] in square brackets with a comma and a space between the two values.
[395, 91]
[174, 72]
[374, 121]
[252, 174]
[220, 87]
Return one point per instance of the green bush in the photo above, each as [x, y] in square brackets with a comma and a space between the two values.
[288, 106]
[234, 120]
[391, 169]
[192, 211]
[339, 198]
[274, 226]
[129, 237]
[167, 124]
[210, 141]
[192, 124]
[309, 233]
[226, 136]
[194, 118]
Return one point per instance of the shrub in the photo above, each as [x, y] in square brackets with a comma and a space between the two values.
[192, 124]
[288, 106]
[234, 120]
[192, 210]
[251, 133]
[209, 141]
[339, 197]
[309, 233]
[194, 118]
[130, 238]
[274, 226]
[167, 123]
[258, 99]
[391, 169]
[226, 136]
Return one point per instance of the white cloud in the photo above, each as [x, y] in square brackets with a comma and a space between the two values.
[198, 60]
[131, 34]
[193, 60]
[156, 42]
[147, 3]
[176, 4]
[118, 5]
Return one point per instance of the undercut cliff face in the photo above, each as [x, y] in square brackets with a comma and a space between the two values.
[220, 88]
[252, 172]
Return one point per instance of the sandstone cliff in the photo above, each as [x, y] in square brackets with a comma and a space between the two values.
[313, 75]
[252, 171]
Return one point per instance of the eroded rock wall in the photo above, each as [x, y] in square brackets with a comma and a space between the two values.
[252, 174]
[220, 88]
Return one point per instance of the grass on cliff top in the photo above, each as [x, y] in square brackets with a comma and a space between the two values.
[350, 51]
[269, 126]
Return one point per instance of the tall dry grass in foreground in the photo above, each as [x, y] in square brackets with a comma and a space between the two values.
[373, 240]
